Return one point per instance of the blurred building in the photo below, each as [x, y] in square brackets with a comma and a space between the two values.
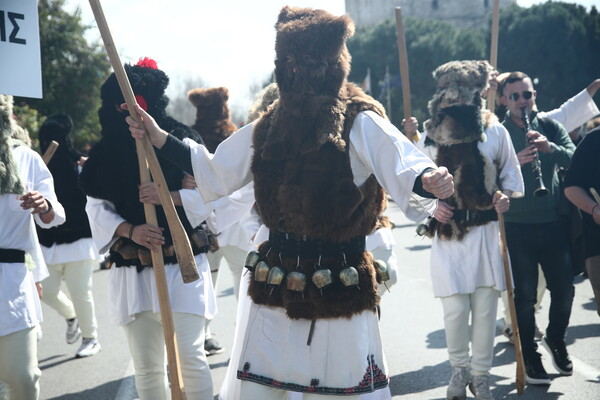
[460, 13]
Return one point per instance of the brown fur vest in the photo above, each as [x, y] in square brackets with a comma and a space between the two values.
[304, 185]
[456, 135]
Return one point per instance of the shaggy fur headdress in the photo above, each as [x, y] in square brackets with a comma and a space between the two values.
[459, 88]
[111, 172]
[311, 53]
[9, 174]
[262, 101]
[58, 127]
[213, 120]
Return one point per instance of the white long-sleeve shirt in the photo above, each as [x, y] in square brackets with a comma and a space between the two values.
[19, 302]
[575, 112]
[462, 266]
[132, 292]
[376, 147]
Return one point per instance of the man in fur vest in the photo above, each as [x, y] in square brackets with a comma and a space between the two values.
[69, 249]
[110, 177]
[319, 157]
[466, 262]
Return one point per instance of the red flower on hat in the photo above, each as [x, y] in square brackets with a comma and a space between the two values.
[147, 62]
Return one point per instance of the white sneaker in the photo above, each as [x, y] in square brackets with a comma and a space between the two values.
[89, 347]
[73, 331]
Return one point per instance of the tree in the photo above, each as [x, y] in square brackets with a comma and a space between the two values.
[72, 72]
[555, 42]
[429, 44]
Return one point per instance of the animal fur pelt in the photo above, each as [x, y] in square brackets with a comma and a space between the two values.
[213, 121]
[457, 126]
[65, 172]
[263, 100]
[302, 175]
[111, 172]
[10, 181]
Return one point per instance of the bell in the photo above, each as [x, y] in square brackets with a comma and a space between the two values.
[382, 270]
[349, 276]
[322, 278]
[261, 272]
[296, 281]
[275, 276]
[251, 260]
[422, 229]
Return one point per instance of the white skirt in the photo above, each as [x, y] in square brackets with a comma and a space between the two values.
[345, 356]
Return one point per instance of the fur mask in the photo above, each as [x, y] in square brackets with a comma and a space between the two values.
[311, 53]
[458, 96]
[10, 181]
[58, 127]
[213, 120]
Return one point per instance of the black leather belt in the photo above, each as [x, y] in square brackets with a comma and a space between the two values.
[465, 215]
[290, 245]
[12, 256]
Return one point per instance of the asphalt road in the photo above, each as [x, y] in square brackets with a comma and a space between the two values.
[412, 329]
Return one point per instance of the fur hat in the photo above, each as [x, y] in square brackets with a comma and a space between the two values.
[262, 101]
[459, 83]
[112, 172]
[311, 53]
[9, 174]
[58, 128]
[459, 88]
[213, 121]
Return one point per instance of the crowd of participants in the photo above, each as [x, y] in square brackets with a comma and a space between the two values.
[272, 200]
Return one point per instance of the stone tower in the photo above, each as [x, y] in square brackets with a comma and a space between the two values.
[460, 13]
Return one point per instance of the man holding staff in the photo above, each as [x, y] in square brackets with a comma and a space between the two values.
[317, 158]
[466, 262]
[110, 178]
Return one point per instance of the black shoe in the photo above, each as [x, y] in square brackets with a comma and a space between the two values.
[211, 347]
[535, 372]
[560, 356]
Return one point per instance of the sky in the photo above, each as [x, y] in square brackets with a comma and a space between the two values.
[223, 42]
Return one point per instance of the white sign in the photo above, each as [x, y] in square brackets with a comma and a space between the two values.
[20, 61]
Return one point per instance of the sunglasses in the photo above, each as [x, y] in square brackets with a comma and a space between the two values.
[526, 95]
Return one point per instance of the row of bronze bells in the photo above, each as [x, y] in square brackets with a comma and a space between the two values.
[296, 281]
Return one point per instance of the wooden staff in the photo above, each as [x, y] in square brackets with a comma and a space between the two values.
[144, 148]
[49, 153]
[491, 98]
[147, 158]
[404, 76]
[491, 104]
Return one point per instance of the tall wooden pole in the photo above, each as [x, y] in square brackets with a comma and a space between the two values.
[491, 98]
[147, 158]
[49, 153]
[144, 149]
[404, 75]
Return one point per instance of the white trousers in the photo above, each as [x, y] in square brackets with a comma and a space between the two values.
[147, 347]
[235, 257]
[254, 391]
[78, 278]
[19, 364]
[481, 306]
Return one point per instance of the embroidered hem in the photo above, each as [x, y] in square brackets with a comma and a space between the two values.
[373, 379]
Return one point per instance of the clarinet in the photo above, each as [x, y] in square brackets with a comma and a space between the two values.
[536, 165]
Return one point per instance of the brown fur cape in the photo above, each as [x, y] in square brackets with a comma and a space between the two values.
[302, 176]
[213, 120]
